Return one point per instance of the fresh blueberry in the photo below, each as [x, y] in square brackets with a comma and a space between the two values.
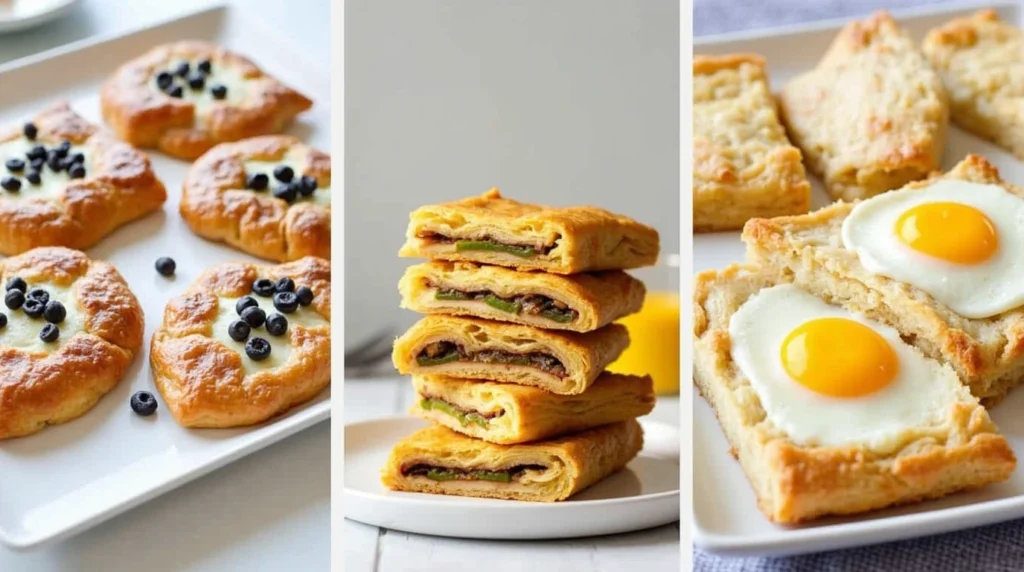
[34, 177]
[17, 283]
[63, 148]
[176, 91]
[197, 81]
[204, 66]
[33, 308]
[284, 173]
[254, 316]
[263, 287]
[277, 325]
[257, 182]
[182, 69]
[239, 330]
[304, 295]
[77, 171]
[286, 302]
[166, 266]
[38, 163]
[55, 162]
[78, 158]
[285, 191]
[164, 80]
[3, 320]
[15, 165]
[13, 299]
[37, 152]
[38, 294]
[245, 302]
[12, 184]
[49, 333]
[30, 131]
[143, 403]
[306, 185]
[258, 349]
[219, 91]
[285, 284]
[54, 312]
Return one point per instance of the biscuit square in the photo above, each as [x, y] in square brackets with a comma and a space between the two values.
[743, 164]
[795, 481]
[872, 116]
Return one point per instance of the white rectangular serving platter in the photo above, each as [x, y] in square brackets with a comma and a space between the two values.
[67, 478]
[725, 515]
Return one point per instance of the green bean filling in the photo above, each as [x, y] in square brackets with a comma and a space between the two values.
[438, 353]
[532, 304]
[520, 251]
[436, 473]
[465, 417]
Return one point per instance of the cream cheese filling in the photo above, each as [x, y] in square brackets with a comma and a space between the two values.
[321, 196]
[202, 99]
[22, 331]
[51, 185]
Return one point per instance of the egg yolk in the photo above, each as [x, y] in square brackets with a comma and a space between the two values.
[839, 358]
[953, 232]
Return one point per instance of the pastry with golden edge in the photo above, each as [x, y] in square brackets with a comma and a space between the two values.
[561, 362]
[872, 116]
[506, 414]
[437, 460]
[743, 164]
[268, 196]
[65, 182]
[53, 367]
[491, 229]
[185, 97]
[580, 302]
[795, 480]
[213, 372]
[981, 61]
[987, 354]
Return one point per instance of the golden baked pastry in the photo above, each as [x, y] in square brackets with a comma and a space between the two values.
[506, 414]
[563, 240]
[796, 481]
[743, 164]
[981, 61]
[987, 354]
[185, 97]
[437, 460]
[269, 196]
[64, 182]
[53, 367]
[213, 373]
[580, 302]
[872, 116]
[560, 362]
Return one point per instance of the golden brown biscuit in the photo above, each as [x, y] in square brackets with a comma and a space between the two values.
[743, 164]
[49, 382]
[981, 62]
[491, 229]
[795, 481]
[53, 199]
[224, 198]
[147, 115]
[437, 460]
[560, 362]
[506, 413]
[872, 115]
[209, 379]
[580, 302]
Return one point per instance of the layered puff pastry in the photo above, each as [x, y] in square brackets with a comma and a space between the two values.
[268, 196]
[872, 116]
[796, 479]
[49, 377]
[437, 460]
[491, 229]
[65, 182]
[185, 97]
[506, 414]
[981, 61]
[743, 164]
[565, 363]
[210, 378]
[580, 302]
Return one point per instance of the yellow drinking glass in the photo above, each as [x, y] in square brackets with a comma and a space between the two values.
[654, 331]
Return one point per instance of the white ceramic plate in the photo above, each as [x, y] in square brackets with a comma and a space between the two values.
[69, 477]
[643, 495]
[726, 519]
[17, 15]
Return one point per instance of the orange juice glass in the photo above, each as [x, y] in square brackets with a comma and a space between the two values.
[654, 331]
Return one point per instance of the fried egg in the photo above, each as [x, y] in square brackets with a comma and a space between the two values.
[828, 377]
[961, 242]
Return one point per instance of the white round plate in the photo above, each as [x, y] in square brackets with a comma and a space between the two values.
[643, 495]
[16, 15]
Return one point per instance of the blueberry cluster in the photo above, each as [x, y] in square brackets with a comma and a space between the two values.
[35, 303]
[286, 298]
[58, 158]
[288, 187]
[174, 82]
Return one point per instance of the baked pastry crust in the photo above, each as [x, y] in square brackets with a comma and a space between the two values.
[146, 117]
[581, 239]
[217, 205]
[38, 388]
[987, 354]
[507, 414]
[598, 298]
[872, 116]
[582, 356]
[206, 383]
[981, 61]
[743, 164]
[119, 187]
[571, 463]
[795, 483]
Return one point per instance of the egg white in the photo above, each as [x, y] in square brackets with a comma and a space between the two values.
[920, 395]
[971, 290]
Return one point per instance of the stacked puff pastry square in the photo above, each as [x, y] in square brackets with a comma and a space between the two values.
[509, 362]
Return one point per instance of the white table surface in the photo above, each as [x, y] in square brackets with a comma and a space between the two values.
[270, 511]
[368, 548]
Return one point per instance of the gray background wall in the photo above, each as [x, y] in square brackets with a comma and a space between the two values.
[556, 101]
